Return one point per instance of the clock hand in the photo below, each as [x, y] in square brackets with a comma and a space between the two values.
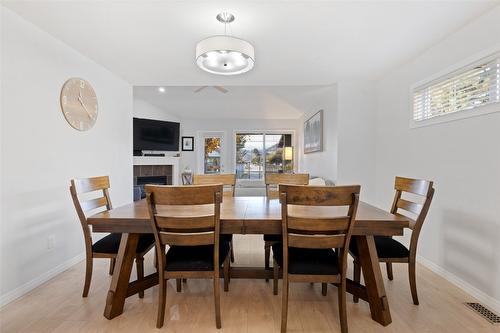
[84, 107]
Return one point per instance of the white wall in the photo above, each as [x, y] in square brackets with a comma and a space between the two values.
[41, 152]
[356, 136]
[461, 237]
[322, 164]
[143, 109]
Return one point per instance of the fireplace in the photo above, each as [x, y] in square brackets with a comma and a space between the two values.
[150, 174]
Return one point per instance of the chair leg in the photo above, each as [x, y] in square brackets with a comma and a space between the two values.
[413, 282]
[217, 299]
[232, 251]
[88, 276]
[162, 299]
[388, 265]
[324, 288]
[357, 277]
[178, 282]
[342, 306]
[111, 265]
[275, 277]
[139, 263]
[267, 254]
[284, 304]
[227, 270]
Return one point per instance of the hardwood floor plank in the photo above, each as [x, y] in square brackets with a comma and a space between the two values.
[249, 306]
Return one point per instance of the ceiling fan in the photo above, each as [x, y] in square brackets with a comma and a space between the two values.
[218, 88]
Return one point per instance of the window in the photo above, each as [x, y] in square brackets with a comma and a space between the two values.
[468, 88]
[258, 153]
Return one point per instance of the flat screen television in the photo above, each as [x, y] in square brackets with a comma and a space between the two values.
[156, 135]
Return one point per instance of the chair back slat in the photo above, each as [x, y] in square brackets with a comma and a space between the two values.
[85, 185]
[94, 203]
[415, 186]
[183, 195]
[287, 178]
[316, 241]
[418, 188]
[319, 195]
[191, 239]
[98, 185]
[199, 223]
[409, 206]
[326, 225]
[324, 233]
[228, 179]
[202, 229]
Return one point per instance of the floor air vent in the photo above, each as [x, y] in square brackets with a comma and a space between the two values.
[484, 312]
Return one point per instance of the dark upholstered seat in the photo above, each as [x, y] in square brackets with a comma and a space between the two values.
[111, 243]
[226, 237]
[273, 238]
[386, 248]
[195, 258]
[308, 261]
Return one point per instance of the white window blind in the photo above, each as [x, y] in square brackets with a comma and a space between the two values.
[467, 88]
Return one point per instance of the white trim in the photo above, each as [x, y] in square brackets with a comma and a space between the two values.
[30, 285]
[482, 297]
[200, 153]
[479, 111]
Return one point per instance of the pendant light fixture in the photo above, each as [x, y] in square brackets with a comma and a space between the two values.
[224, 54]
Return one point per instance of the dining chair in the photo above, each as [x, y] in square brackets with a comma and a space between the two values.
[272, 181]
[309, 237]
[228, 179]
[390, 250]
[195, 249]
[106, 247]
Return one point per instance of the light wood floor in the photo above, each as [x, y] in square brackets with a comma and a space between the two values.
[249, 306]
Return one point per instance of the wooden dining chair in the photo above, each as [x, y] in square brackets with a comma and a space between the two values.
[228, 179]
[195, 249]
[106, 247]
[309, 237]
[390, 250]
[272, 181]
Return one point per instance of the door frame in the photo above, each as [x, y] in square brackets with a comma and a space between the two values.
[200, 155]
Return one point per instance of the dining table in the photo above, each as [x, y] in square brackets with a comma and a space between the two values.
[249, 215]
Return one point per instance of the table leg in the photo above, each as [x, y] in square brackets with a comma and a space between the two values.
[121, 276]
[375, 290]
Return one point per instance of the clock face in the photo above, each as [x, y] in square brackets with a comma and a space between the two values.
[79, 104]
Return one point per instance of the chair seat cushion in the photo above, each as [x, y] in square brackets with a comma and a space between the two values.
[111, 243]
[195, 258]
[273, 238]
[226, 238]
[387, 247]
[308, 261]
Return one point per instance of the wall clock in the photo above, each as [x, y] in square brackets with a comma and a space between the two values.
[79, 104]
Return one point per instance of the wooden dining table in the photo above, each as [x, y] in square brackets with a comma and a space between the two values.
[249, 215]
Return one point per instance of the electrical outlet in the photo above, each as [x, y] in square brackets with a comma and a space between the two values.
[51, 242]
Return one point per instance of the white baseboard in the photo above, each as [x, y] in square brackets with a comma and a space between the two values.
[27, 287]
[485, 299]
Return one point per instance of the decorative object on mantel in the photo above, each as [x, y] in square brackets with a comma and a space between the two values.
[188, 143]
[79, 104]
[187, 176]
[313, 133]
[224, 54]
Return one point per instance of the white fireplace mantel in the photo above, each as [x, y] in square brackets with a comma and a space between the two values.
[161, 160]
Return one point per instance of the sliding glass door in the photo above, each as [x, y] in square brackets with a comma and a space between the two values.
[258, 153]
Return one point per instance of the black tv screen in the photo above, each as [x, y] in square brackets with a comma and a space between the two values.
[156, 135]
